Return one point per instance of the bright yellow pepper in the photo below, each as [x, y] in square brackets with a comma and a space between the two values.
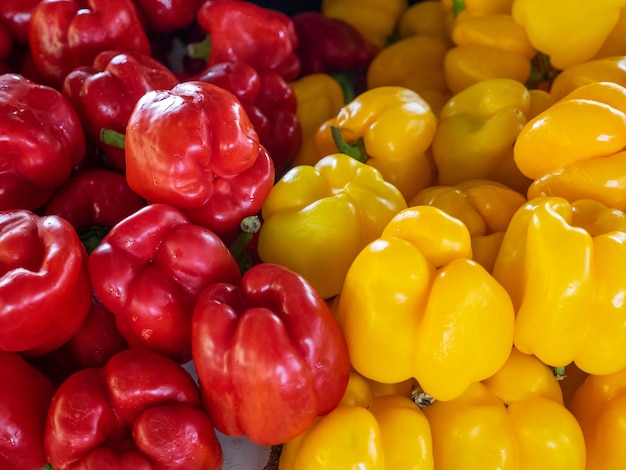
[476, 132]
[319, 97]
[615, 42]
[561, 263]
[569, 33]
[607, 69]
[414, 304]
[390, 128]
[485, 207]
[575, 148]
[368, 431]
[599, 405]
[478, 430]
[374, 19]
[316, 219]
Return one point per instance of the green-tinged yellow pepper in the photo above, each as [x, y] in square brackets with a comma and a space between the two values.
[476, 132]
[575, 148]
[374, 19]
[316, 219]
[562, 264]
[319, 98]
[390, 128]
[479, 430]
[425, 18]
[570, 33]
[485, 207]
[599, 405]
[367, 431]
[415, 62]
[414, 304]
[607, 69]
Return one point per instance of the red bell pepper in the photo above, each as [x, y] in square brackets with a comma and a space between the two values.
[269, 354]
[164, 17]
[105, 92]
[194, 147]
[16, 15]
[150, 269]
[141, 411]
[65, 34]
[269, 102]
[263, 37]
[25, 395]
[45, 292]
[42, 141]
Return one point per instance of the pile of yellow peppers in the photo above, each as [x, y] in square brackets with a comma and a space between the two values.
[465, 218]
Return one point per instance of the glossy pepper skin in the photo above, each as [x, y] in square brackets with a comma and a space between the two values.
[335, 207]
[560, 261]
[65, 34]
[606, 69]
[140, 411]
[585, 161]
[366, 430]
[25, 395]
[16, 15]
[167, 16]
[390, 128]
[42, 142]
[414, 304]
[268, 44]
[215, 170]
[150, 269]
[44, 285]
[269, 354]
[105, 92]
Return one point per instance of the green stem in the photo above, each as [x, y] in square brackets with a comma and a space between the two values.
[92, 236]
[559, 373]
[458, 6]
[346, 82]
[200, 50]
[355, 150]
[239, 246]
[48, 467]
[113, 138]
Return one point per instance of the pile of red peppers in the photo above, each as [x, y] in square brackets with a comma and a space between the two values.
[135, 138]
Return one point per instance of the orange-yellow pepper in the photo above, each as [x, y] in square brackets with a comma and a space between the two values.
[316, 219]
[425, 18]
[485, 207]
[606, 69]
[562, 263]
[599, 405]
[390, 128]
[367, 431]
[414, 304]
[615, 43]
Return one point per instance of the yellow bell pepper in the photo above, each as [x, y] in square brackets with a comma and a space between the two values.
[575, 148]
[476, 132]
[607, 69]
[599, 405]
[414, 304]
[485, 207]
[319, 98]
[374, 19]
[316, 219]
[390, 128]
[366, 431]
[615, 42]
[478, 430]
[425, 18]
[569, 33]
[561, 263]
[415, 62]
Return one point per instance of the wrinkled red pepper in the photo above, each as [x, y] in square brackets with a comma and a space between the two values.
[141, 411]
[25, 395]
[269, 102]
[65, 34]
[41, 142]
[263, 37]
[105, 92]
[150, 269]
[194, 147]
[45, 292]
[269, 354]
[167, 16]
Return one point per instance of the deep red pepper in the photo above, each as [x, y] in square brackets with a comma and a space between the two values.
[194, 147]
[105, 92]
[167, 16]
[269, 354]
[263, 37]
[6, 49]
[45, 292]
[140, 411]
[16, 15]
[25, 395]
[42, 141]
[65, 34]
[149, 270]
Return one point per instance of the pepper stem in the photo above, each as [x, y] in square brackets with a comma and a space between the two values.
[346, 82]
[113, 138]
[48, 467]
[92, 236]
[458, 6]
[559, 372]
[355, 150]
[200, 50]
[420, 397]
[239, 246]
